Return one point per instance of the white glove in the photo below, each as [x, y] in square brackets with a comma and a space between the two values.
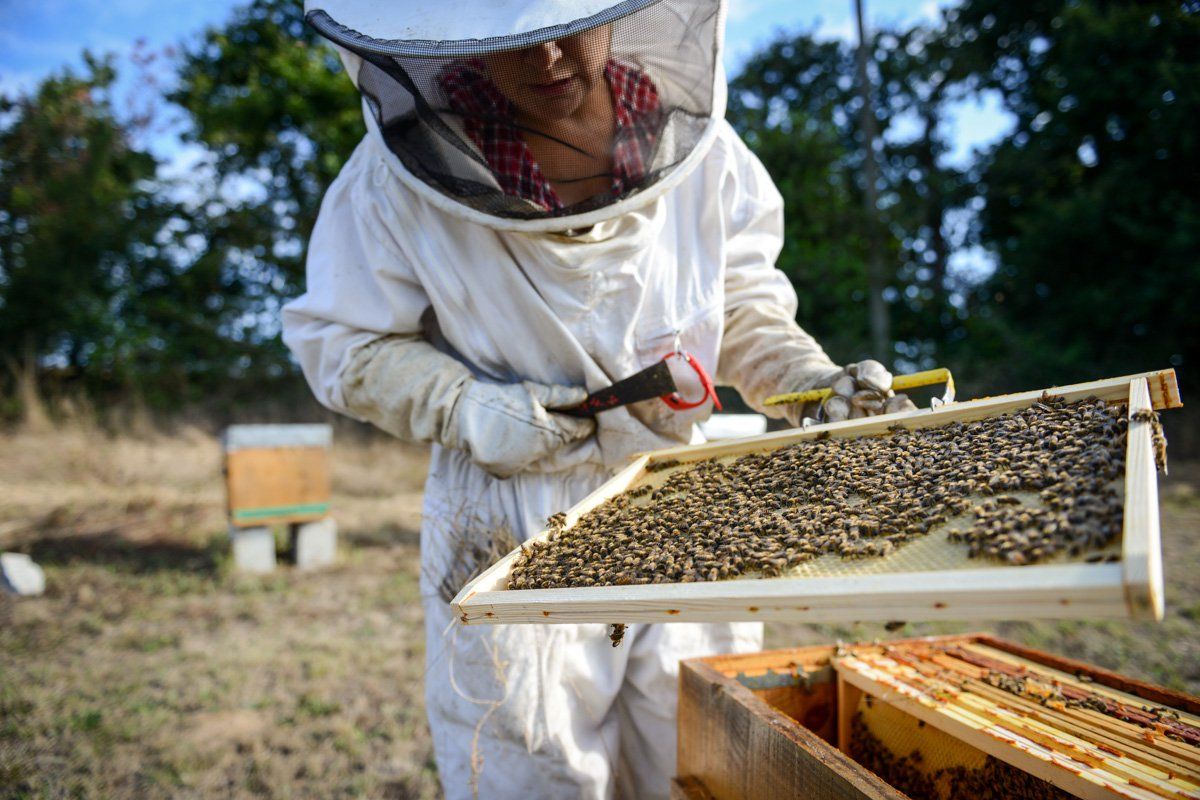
[412, 390]
[863, 389]
[508, 426]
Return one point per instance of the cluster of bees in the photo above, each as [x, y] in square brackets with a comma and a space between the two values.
[1027, 486]
[995, 780]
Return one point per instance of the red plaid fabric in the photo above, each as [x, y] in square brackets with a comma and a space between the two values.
[489, 119]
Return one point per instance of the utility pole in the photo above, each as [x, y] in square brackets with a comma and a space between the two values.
[881, 343]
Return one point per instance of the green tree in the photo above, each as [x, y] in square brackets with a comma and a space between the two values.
[76, 206]
[271, 101]
[1092, 203]
[797, 105]
[784, 103]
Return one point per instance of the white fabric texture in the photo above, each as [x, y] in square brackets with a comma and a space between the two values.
[551, 711]
[407, 387]
[862, 389]
[559, 712]
[420, 20]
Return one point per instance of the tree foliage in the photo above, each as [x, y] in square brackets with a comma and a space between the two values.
[797, 104]
[271, 102]
[1092, 202]
[77, 212]
[1087, 207]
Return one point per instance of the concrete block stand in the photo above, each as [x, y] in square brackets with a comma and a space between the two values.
[253, 549]
[314, 544]
[19, 575]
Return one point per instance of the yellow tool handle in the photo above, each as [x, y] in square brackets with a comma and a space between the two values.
[900, 383]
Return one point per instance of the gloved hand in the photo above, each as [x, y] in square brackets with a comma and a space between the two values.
[764, 352]
[412, 390]
[508, 426]
[863, 389]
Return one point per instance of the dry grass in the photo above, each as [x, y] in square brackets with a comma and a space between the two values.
[151, 670]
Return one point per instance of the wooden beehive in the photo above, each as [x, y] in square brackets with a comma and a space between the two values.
[922, 581]
[277, 473]
[781, 724]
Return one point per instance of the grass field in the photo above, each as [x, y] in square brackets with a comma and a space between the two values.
[150, 669]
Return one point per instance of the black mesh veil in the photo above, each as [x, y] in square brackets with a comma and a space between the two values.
[548, 123]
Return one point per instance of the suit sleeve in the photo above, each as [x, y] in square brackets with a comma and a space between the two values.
[358, 288]
[763, 350]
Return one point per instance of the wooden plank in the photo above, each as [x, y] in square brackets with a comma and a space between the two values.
[1046, 591]
[1069, 669]
[814, 708]
[1165, 396]
[742, 749]
[689, 789]
[955, 682]
[277, 484]
[920, 683]
[1058, 770]
[259, 437]
[848, 696]
[1094, 731]
[1120, 769]
[1141, 549]
[1073, 590]
[1121, 735]
[970, 675]
[808, 658]
[1115, 687]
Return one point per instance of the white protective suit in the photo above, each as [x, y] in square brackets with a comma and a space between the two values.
[528, 711]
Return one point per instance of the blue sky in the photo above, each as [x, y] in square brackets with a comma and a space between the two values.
[39, 37]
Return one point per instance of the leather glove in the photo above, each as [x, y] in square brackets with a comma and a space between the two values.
[863, 389]
[415, 392]
[508, 426]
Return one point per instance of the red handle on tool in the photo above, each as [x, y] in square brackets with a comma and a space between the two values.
[675, 401]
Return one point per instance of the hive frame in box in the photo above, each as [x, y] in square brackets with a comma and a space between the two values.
[1132, 587]
[1089, 760]
[741, 734]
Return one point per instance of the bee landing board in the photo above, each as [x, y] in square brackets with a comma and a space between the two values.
[926, 579]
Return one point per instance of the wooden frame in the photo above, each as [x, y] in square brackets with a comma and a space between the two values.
[1132, 587]
[1039, 740]
[737, 743]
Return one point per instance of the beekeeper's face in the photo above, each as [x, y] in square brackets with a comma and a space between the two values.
[554, 80]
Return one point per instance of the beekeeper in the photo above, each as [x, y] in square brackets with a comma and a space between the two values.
[547, 200]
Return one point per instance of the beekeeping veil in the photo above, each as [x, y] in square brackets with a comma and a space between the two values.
[480, 101]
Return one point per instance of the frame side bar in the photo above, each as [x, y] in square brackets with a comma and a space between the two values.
[1141, 539]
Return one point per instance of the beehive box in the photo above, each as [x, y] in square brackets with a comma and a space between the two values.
[276, 473]
[927, 579]
[801, 722]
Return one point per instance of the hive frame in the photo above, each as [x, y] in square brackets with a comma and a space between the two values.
[1131, 587]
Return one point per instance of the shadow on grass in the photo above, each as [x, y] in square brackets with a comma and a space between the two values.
[388, 535]
[110, 549]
